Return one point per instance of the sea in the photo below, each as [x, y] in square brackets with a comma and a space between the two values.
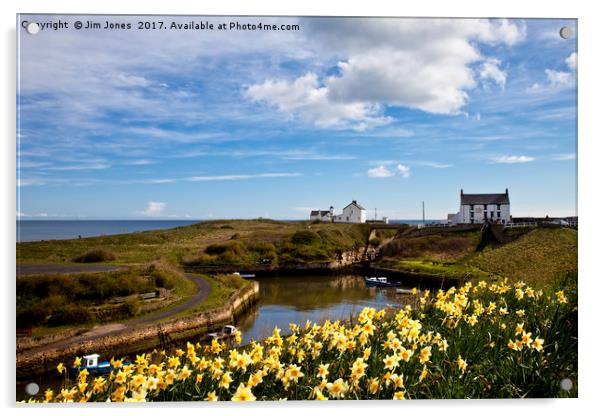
[41, 230]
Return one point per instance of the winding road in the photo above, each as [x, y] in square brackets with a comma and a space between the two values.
[202, 286]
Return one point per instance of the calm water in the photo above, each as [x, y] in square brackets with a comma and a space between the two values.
[283, 300]
[32, 230]
[316, 298]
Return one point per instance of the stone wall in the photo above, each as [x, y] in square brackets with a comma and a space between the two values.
[35, 362]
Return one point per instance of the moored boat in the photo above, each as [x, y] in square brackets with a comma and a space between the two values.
[379, 282]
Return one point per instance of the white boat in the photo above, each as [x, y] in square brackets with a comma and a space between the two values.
[226, 332]
[378, 281]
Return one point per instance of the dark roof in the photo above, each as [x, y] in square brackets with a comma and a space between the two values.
[354, 202]
[320, 213]
[482, 199]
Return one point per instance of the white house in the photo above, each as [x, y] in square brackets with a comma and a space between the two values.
[353, 212]
[479, 208]
[322, 215]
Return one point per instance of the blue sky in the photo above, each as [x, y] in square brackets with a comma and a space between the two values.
[242, 124]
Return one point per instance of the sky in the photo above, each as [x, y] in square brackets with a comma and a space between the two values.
[204, 124]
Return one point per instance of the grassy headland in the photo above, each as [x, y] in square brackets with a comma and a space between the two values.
[228, 242]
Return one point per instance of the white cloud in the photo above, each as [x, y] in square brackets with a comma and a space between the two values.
[380, 62]
[380, 172]
[559, 78]
[404, 170]
[571, 61]
[564, 156]
[435, 165]
[512, 159]
[154, 209]
[241, 177]
[306, 98]
[490, 69]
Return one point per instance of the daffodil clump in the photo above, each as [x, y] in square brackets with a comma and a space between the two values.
[482, 340]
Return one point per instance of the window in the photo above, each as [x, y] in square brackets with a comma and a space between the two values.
[499, 207]
[499, 214]
[471, 207]
[471, 214]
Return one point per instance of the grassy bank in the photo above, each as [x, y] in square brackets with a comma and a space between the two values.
[540, 256]
[238, 242]
[59, 300]
[477, 341]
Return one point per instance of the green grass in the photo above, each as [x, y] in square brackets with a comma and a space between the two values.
[189, 244]
[434, 268]
[540, 257]
[59, 300]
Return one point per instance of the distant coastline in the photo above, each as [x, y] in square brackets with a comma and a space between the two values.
[50, 229]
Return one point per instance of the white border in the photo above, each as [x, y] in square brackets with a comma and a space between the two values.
[589, 186]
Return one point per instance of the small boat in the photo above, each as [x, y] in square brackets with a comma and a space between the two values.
[401, 291]
[245, 275]
[227, 331]
[378, 282]
[93, 366]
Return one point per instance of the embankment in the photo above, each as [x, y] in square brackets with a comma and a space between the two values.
[347, 259]
[30, 363]
[414, 279]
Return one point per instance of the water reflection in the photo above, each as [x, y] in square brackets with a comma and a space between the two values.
[283, 300]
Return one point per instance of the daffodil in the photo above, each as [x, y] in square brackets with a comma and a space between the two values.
[60, 368]
[399, 395]
[338, 388]
[323, 370]
[538, 344]
[243, 394]
[461, 363]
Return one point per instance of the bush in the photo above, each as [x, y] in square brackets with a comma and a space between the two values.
[375, 241]
[217, 249]
[305, 237]
[70, 314]
[262, 248]
[231, 280]
[95, 256]
[132, 306]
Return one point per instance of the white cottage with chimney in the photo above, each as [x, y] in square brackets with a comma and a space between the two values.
[352, 213]
[479, 208]
[322, 215]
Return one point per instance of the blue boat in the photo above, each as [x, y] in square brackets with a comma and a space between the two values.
[93, 366]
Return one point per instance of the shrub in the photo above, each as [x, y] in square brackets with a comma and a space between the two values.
[132, 306]
[305, 237]
[375, 241]
[231, 280]
[263, 248]
[234, 247]
[95, 256]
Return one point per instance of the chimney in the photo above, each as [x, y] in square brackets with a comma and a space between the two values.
[354, 202]
[506, 191]
[461, 191]
[331, 210]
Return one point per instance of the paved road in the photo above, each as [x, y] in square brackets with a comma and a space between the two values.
[202, 286]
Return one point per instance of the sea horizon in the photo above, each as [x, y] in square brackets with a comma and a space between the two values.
[42, 229]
